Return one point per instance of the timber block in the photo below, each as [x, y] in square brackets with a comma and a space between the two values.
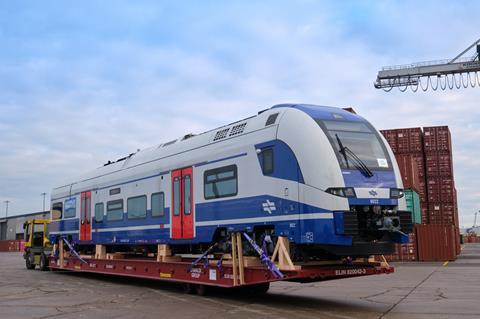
[168, 259]
[100, 252]
[116, 256]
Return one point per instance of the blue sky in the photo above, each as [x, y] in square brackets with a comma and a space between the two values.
[82, 83]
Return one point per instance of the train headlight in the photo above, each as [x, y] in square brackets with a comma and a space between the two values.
[342, 191]
[396, 193]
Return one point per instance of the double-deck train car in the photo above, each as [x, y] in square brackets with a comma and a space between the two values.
[321, 176]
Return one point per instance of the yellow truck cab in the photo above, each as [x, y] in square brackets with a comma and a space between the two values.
[37, 245]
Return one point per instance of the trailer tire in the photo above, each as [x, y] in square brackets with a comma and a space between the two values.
[188, 288]
[260, 288]
[29, 262]
[43, 262]
[201, 290]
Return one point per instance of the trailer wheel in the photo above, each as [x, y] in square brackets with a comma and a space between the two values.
[43, 262]
[29, 263]
[201, 290]
[260, 288]
[188, 288]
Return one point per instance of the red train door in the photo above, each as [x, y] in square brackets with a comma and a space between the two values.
[182, 204]
[85, 216]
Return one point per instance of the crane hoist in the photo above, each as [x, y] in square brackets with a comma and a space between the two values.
[461, 71]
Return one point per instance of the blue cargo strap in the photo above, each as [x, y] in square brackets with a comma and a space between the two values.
[73, 251]
[264, 258]
[204, 257]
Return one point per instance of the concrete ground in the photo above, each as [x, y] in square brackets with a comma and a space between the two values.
[415, 290]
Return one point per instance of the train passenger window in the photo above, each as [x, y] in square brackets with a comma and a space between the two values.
[57, 210]
[99, 212]
[267, 161]
[70, 208]
[220, 182]
[137, 207]
[187, 192]
[176, 196]
[115, 210]
[158, 204]
[114, 191]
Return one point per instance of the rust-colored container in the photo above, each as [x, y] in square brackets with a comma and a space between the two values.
[440, 189]
[442, 214]
[391, 137]
[436, 242]
[424, 207]
[9, 245]
[409, 171]
[437, 138]
[439, 164]
[406, 140]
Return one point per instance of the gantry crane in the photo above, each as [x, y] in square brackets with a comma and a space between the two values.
[461, 71]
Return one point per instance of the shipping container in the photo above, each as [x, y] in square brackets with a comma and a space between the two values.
[409, 171]
[439, 164]
[9, 245]
[440, 190]
[409, 140]
[436, 242]
[424, 207]
[437, 138]
[405, 140]
[413, 205]
[391, 137]
[442, 214]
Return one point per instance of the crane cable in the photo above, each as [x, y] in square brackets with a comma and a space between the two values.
[444, 81]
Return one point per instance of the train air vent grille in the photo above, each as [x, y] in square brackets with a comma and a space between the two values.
[271, 119]
[238, 129]
[350, 224]
[221, 134]
[169, 143]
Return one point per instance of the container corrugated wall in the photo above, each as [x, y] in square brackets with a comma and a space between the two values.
[436, 242]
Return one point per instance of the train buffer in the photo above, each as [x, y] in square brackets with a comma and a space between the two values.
[229, 271]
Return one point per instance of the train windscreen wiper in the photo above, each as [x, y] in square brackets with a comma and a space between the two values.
[342, 150]
[358, 163]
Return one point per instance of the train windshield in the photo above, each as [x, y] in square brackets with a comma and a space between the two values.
[360, 140]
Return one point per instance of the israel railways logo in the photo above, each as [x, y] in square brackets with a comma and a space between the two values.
[269, 206]
[373, 192]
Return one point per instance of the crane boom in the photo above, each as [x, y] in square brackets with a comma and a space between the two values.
[457, 72]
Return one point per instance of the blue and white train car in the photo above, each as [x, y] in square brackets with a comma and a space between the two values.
[322, 176]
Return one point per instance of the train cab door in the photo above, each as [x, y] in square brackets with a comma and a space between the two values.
[182, 215]
[85, 215]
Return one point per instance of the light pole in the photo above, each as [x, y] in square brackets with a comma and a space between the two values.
[43, 194]
[6, 208]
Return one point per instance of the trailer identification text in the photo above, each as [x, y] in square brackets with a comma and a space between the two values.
[346, 272]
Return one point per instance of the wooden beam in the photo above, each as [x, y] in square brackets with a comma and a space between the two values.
[240, 258]
[62, 255]
[100, 252]
[234, 259]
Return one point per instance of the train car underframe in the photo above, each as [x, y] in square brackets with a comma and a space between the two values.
[199, 272]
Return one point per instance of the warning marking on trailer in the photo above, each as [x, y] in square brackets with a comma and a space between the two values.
[165, 275]
[212, 275]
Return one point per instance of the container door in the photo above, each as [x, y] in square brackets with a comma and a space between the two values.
[182, 204]
[85, 216]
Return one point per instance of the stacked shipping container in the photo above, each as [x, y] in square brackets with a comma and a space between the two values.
[426, 165]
